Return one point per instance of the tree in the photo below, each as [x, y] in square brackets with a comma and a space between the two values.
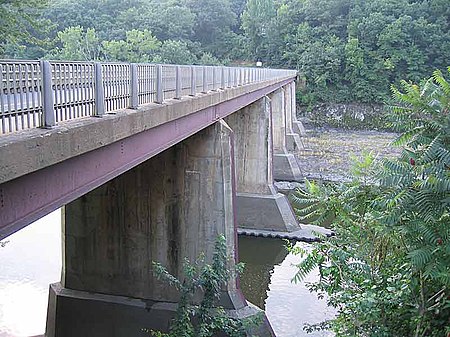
[176, 52]
[214, 20]
[256, 19]
[20, 19]
[77, 45]
[139, 46]
[387, 270]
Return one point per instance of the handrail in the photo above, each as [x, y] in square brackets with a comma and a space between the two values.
[42, 93]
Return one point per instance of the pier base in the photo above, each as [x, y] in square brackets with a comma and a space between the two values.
[79, 313]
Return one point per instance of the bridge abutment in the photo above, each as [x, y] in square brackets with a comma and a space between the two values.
[284, 163]
[171, 207]
[259, 205]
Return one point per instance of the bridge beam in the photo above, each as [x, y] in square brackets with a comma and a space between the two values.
[168, 208]
[259, 206]
[284, 163]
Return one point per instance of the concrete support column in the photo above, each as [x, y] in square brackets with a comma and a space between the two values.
[293, 141]
[167, 209]
[258, 205]
[298, 127]
[285, 164]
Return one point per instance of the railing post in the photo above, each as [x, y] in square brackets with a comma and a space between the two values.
[48, 106]
[178, 82]
[134, 100]
[214, 77]
[99, 91]
[236, 77]
[229, 84]
[205, 81]
[222, 80]
[193, 82]
[159, 84]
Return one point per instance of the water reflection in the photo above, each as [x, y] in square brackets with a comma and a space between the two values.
[266, 282]
[260, 257]
[30, 261]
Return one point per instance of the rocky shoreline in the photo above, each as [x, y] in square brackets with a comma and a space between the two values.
[327, 152]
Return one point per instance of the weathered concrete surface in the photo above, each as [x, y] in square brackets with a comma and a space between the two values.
[50, 168]
[293, 141]
[266, 212]
[258, 203]
[285, 166]
[169, 208]
[297, 125]
[278, 106]
[102, 315]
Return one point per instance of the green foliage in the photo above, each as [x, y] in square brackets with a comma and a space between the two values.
[20, 23]
[213, 24]
[350, 50]
[209, 279]
[209, 60]
[139, 46]
[387, 270]
[77, 45]
[256, 19]
[345, 50]
[176, 52]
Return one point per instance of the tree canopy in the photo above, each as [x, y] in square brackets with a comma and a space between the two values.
[345, 50]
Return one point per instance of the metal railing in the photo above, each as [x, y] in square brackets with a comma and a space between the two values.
[42, 93]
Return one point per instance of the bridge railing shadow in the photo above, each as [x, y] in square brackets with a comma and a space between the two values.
[43, 93]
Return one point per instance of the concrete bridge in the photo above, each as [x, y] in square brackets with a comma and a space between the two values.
[150, 163]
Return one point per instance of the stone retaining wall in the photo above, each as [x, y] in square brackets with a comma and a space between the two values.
[355, 116]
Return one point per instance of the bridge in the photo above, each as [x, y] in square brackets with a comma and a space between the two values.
[149, 163]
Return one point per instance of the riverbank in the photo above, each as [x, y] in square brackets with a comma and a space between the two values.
[327, 152]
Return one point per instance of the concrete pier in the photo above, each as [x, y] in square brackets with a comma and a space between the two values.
[284, 163]
[258, 204]
[168, 208]
[297, 125]
[293, 140]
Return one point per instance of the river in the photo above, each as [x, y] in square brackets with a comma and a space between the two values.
[31, 260]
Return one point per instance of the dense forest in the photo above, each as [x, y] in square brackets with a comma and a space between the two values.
[345, 50]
